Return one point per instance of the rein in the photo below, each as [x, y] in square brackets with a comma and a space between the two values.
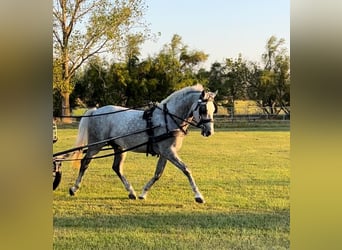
[100, 142]
[108, 113]
[173, 116]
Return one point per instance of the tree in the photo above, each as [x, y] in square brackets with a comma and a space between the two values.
[85, 28]
[92, 85]
[133, 83]
[180, 63]
[231, 80]
[216, 80]
[118, 76]
[237, 78]
[271, 85]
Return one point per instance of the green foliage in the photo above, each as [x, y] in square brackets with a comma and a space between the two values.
[239, 79]
[135, 83]
[273, 86]
[85, 28]
[57, 103]
[230, 79]
[244, 177]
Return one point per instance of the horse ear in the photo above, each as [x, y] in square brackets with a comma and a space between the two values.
[215, 93]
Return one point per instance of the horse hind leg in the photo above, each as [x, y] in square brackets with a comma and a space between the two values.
[117, 167]
[158, 173]
[84, 165]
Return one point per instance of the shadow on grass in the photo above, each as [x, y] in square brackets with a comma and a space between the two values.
[186, 221]
[163, 227]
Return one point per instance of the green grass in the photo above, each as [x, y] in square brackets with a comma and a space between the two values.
[252, 125]
[244, 177]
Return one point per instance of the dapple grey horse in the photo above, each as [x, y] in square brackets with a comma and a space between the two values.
[170, 120]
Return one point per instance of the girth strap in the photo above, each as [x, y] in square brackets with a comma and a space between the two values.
[166, 111]
[150, 131]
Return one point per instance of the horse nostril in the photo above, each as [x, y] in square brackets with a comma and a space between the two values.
[208, 133]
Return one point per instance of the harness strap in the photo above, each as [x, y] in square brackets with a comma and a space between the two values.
[154, 140]
[148, 114]
[173, 116]
[166, 111]
[150, 131]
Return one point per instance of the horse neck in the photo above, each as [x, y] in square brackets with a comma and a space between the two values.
[181, 106]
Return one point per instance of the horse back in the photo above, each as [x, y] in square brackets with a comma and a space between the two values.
[116, 122]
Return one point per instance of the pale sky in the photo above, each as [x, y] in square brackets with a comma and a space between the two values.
[220, 28]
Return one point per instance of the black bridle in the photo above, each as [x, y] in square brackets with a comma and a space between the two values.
[202, 109]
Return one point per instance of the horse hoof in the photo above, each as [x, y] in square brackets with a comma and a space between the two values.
[141, 197]
[132, 197]
[199, 200]
[57, 180]
[71, 191]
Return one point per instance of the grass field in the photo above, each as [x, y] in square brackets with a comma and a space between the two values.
[244, 177]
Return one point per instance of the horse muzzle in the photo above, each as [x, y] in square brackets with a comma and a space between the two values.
[205, 133]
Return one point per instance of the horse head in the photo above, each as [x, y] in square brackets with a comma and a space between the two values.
[203, 113]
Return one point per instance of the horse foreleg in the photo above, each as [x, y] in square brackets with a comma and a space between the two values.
[158, 173]
[117, 167]
[179, 164]
[84, 165]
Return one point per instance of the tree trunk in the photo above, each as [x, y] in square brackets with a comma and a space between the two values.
[66, 107]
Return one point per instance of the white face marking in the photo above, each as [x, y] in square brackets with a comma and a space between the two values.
[208, 127]
[203, 113]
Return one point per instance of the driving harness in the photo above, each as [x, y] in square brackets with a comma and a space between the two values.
[152, 139]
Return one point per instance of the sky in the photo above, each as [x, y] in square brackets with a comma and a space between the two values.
[220, 28]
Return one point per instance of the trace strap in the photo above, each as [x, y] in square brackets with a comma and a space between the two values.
[103, 141]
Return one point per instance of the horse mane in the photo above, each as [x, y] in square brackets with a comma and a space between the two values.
[182, 92]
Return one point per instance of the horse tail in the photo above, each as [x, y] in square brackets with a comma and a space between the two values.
[82, 137]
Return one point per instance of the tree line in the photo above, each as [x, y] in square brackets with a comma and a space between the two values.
[134, 83]
[81, 77]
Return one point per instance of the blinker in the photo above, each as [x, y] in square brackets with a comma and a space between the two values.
[202, 104]
[203, 108]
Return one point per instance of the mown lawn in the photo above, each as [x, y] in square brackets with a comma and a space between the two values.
[244, 177]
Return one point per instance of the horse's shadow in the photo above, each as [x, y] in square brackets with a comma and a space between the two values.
[186, 221]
